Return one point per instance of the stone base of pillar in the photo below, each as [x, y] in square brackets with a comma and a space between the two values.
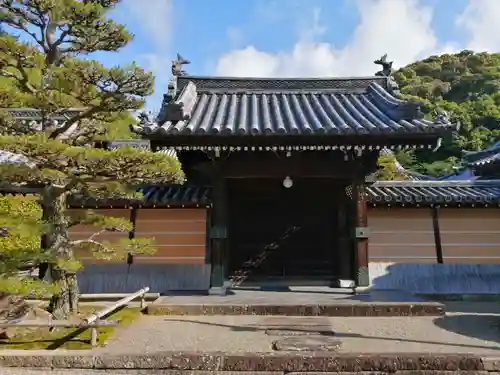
[363, 277]
[217, 291]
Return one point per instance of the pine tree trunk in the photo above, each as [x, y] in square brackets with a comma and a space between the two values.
[65, 302]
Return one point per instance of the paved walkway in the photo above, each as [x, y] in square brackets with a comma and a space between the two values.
[469, 328]
[466, 328]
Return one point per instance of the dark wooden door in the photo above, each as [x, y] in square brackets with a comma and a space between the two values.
[296, 228]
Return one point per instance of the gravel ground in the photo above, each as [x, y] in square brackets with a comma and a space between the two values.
[467, 328]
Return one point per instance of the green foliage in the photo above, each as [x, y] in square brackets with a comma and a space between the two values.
[466, 85]
[20, 248]
[46, 70]
[21, 218]
[388, 169]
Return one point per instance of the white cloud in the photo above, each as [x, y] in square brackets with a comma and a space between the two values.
[401, 28]
[155, 21]
[480, 20]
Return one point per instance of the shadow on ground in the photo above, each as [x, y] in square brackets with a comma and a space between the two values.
[472, 307]
[484, 327]
[467, 326]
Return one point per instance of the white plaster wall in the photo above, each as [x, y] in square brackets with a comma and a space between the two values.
[436, 278]
[161, 278]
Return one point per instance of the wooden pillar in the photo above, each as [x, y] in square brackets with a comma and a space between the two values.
[343, 264]
[43, 267]
[218, 236]
[361, 236]
[131, 234]
[437, 234]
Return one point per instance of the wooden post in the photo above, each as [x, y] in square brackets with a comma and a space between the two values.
[361, 238]
[43, 267]
[99, 314]
[131, 234]
[218, 236]
[343, 265]
[437, 234]
[93, 334]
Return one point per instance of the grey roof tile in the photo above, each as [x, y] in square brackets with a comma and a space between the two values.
[212, 106]
[483, 157]
[380, 193]
[487, 159]
[434, 192]
[154, 196]
[36, 114]
[31, 119]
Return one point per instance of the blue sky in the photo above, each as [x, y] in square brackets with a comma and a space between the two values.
[298, 37]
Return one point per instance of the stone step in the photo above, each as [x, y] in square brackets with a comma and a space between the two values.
[298, 302]
[261, 363]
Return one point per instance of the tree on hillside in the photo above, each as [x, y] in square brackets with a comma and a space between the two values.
[466, 85]
[51, 76]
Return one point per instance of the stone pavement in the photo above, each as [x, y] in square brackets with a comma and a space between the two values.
[466, 328]
[467, 332]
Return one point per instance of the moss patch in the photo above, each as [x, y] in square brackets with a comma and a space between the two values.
[70, 338]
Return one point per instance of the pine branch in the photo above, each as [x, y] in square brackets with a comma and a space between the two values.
[19, 18]
[13, 56]
[91, 241]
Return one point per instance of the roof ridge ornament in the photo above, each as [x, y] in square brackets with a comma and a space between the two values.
[387, 72]
[177, 70]
[145, 118]
[386, 67]
[441, 116]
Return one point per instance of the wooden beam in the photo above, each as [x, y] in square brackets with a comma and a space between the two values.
[59, 323]
[279, 168]
[363, 278]
[437, 234]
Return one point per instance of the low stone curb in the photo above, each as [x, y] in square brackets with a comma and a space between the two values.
[335, 310]
[313, 362]
[459, 297]
[195, 372]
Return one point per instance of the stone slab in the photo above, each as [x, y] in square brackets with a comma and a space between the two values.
[307, 344]
[284, 362]
[296, 326]
[491, 363]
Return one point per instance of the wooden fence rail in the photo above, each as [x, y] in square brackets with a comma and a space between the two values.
[92, 322]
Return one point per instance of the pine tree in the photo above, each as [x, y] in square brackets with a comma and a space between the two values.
[43, 54]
